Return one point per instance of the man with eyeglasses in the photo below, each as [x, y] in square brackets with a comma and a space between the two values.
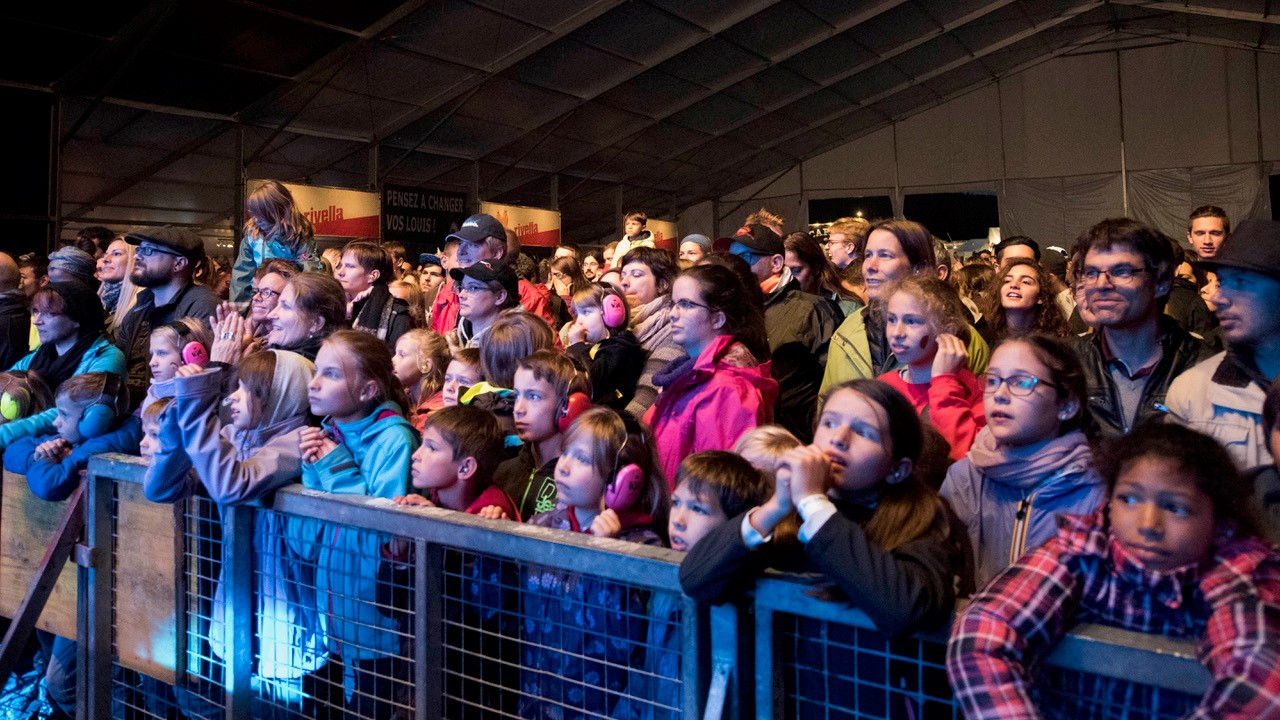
[163, 264]
[1125, 268]
[799, 326]
[1223, 396]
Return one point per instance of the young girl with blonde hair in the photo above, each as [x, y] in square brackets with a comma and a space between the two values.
[420, 361]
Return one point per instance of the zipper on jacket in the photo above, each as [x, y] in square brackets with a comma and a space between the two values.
[1021, 522]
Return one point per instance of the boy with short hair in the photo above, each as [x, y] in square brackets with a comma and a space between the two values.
[53, 463]
[454, 465]
[544, 382]
[634, 234]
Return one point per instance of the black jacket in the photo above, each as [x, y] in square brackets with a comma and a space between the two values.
[533, 489]
[15, 328]
[134, 335]
[614, 370]
[1187, 307]
[382, 314]
[800, 327]
[903, 590]
[1181, 351]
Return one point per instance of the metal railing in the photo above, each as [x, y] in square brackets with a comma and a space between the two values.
[450, 615]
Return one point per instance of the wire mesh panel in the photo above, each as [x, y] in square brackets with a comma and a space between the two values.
[335, 620]
[1074, 695]
[533, 641]
[833, 670]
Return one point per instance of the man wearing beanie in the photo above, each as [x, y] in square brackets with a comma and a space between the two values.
[69, 319]
[72, 264]
[163, 265]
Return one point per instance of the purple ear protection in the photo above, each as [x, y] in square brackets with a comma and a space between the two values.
[193, 353]
[627, 485]
[613, 309]
[626, 488]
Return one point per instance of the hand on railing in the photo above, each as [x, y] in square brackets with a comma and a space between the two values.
[493, 512]
[606, 524]
[314, 444]
[52, 450]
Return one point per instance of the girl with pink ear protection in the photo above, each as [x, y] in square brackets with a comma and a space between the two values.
[600, 341]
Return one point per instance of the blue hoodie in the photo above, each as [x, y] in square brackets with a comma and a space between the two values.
[55, 481]
[371, 460]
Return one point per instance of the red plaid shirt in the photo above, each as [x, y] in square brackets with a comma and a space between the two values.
[1231, 604]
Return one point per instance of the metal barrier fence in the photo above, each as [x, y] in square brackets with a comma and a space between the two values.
[442, 614]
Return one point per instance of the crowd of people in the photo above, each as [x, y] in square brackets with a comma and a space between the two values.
[1031, 437]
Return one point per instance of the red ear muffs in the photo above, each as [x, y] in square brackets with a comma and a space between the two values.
[573, 406]
[613, 310]
[626, 488]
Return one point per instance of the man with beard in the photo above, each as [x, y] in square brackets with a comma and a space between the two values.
[162, 266]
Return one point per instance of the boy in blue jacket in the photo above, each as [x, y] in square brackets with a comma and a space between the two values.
[89, 421]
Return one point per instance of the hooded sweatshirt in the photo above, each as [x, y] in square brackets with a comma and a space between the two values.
[709, 401]
[237, 466]
[1009, 498]
[372, 459]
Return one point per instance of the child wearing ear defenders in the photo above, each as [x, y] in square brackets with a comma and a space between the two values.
[1031, 462]
[544, 382]
[88, 422]
[581, 633]
[22, 394]
[600, 341]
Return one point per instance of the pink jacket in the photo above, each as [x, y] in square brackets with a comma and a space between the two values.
[708, 402]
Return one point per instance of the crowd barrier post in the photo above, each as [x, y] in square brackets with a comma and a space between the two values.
[237, 568]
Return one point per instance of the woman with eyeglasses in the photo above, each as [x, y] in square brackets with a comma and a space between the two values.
[309, 309]
[645, 276]
[269, 281]
[1032, 461]
[721, 387]
[567, 280]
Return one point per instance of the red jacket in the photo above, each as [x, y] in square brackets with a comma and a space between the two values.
[953, 402]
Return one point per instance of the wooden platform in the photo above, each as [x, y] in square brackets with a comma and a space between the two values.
[148, 562]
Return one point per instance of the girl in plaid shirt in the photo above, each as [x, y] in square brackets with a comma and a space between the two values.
[1177, 550]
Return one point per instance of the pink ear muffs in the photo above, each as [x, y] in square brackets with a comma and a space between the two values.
[626, 488]
[613, 310]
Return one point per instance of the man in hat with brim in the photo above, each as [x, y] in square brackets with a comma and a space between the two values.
[163, 266]
[1223, 395]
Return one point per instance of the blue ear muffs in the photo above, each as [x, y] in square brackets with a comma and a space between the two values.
[99, 416]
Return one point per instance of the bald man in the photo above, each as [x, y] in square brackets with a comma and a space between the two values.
[15, 321]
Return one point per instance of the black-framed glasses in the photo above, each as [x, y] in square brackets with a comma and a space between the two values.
[686, 305]
[149, 250]
[266, 293]
[1122, 275]
[1020, 384]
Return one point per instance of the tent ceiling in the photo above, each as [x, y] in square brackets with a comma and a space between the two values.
[675, 101]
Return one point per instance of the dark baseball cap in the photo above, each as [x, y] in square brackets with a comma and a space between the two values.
[759, 239]
[478, 227]
[490, 271]
[178, 239]
[429, 259]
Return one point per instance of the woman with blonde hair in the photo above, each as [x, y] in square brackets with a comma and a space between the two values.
[117, 290]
